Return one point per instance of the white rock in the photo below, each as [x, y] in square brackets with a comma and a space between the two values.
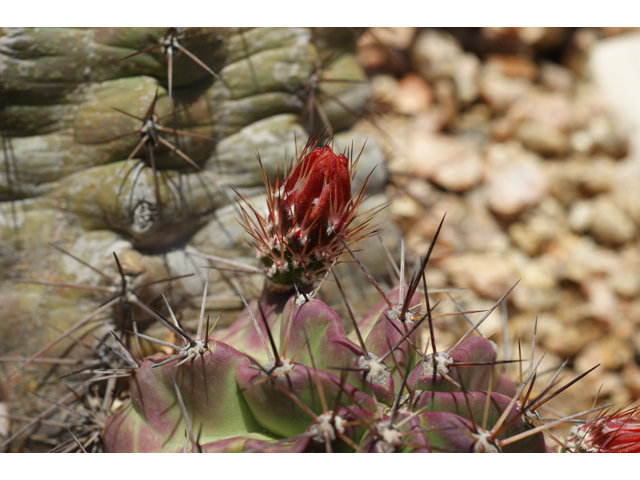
[615, 65]
[466, 76]
[580, 216]
[435, 54]
[515, 188]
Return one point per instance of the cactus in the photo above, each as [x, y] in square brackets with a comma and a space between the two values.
[290, 373]
[382, 393]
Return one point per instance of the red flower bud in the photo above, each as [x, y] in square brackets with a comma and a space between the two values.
[297, 240]
[618, 433]
[314, 197]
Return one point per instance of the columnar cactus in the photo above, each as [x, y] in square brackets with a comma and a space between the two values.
[126, 140]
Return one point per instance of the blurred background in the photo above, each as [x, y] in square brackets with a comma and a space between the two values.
[528, 139]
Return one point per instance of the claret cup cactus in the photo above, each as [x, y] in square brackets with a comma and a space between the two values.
[291, 375]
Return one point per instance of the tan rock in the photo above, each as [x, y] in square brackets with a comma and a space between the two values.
[543, 37]
[580, 258]
[379, 49]
[609, 224]
[625, 192]
[626, 284]
[599, 175]
[413, 95]
[564, 179]
[466, 76]
[435, 53]
[579, 217]
[488, 274]
[474, 124]
[538, 231]
[615, 352]
[602, 301]
[607, 136]
[425, 227]
[500, 91]
[538, 289]
[556, 77]
[502, 129]
[543, 139]
[449, 162]
[513, 65]
[572, 339]
[515, 188]
[552, 109]
[396, 37]
[384, 89]
[538, 37]
[479, 229]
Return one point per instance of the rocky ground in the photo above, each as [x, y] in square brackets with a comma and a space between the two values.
[524, 137]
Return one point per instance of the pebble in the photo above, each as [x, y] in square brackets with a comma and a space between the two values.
[580, 258]
[413, 95]
[615, 353]
[543, 139]
[384, 89]
[556, 77]
[538, 289]
[566, 340]
[488, 274]
[625, 192]
[435, 54]
[447, 161]
[598, 175]
[474, 124]
[601, 299]
[466, 76]
[532, 236]
[538, 37]
[498, 90]
[552, 109]
[626, 284]
[381, 49]
[400, 38]
[515, 188]
[609, 224]
[543, 37]
[606, 137]
[479, 229]
[513, 65]
[579, 217]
